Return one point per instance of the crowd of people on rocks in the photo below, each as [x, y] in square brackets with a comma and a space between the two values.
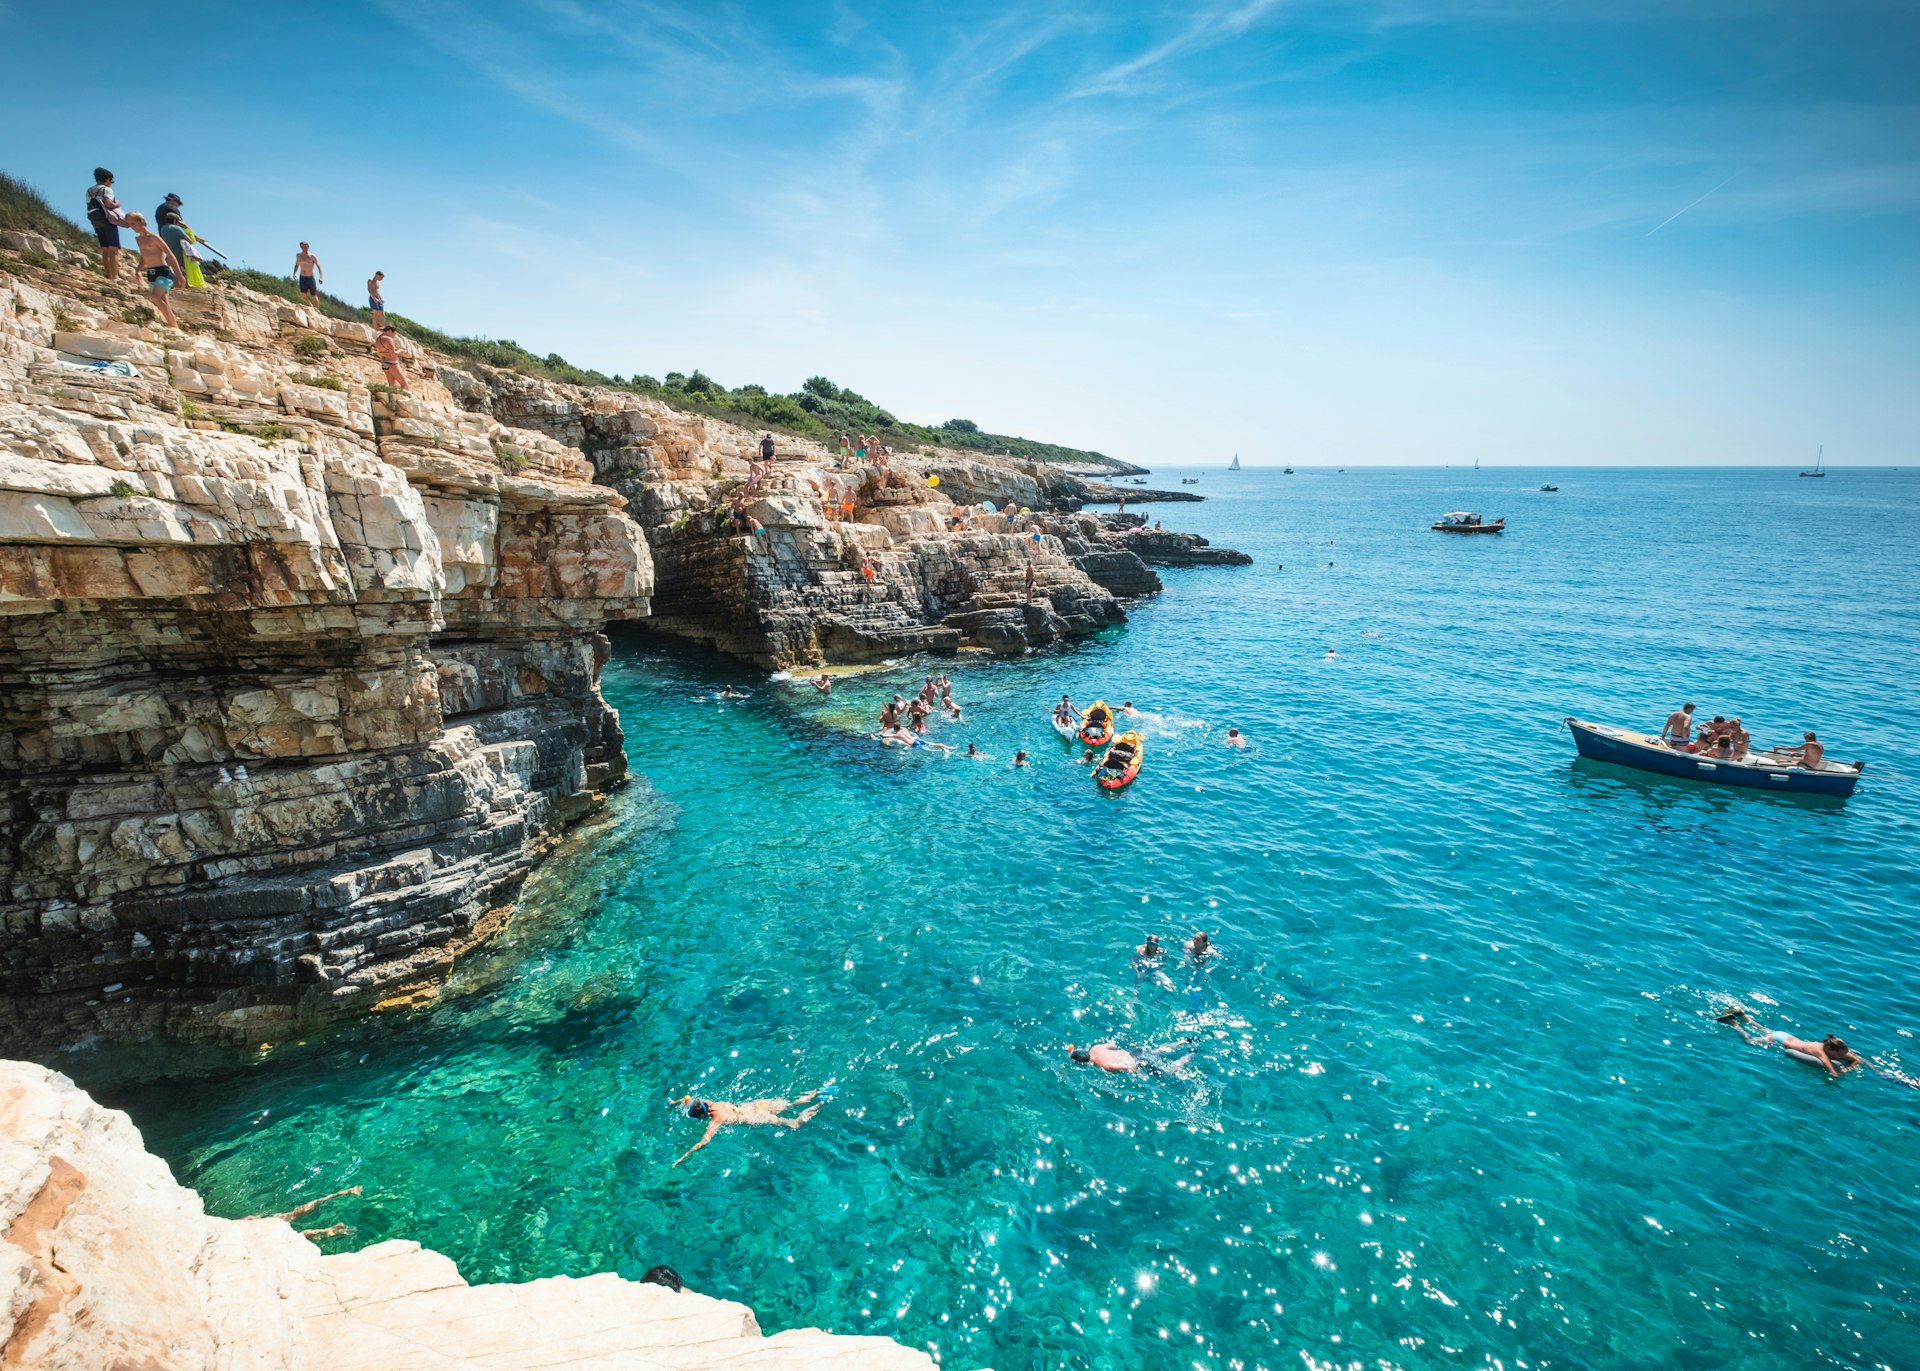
[172, 256]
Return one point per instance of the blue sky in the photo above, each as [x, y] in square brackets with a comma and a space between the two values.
[1330, 231]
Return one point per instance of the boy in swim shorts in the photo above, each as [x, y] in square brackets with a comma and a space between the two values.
[306, 267]
[158, 265]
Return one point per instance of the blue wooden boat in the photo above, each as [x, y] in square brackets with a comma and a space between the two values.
[1757, 771]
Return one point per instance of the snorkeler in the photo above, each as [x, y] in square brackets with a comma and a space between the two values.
[1830, 1053]
[1152, 1061]
[719, 1114]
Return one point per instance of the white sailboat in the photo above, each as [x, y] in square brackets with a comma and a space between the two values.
[1234, 465]
[1819, 463]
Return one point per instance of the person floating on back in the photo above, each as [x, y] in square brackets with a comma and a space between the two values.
[158, 265]
[306, 269]
[103, 214]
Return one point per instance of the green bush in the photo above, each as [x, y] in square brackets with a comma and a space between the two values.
[310, 347]
[327, 381]
[140, 315]
[121, 490]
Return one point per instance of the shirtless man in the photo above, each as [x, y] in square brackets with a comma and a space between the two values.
[1119, 1061]
[306, 268]
[1808, 754]
[720, 1114]
[1235, 738]
[386, 347]
[1679, 726]
[162, 269]
[1030, 579]
[1830, 1052]
[376, 302]
[823, 683]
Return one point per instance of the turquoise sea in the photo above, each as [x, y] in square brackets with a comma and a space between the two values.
[1455, 1098]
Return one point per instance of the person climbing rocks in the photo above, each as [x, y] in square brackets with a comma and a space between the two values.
[103, 214]
[376, 302]
[158, 265]
[1031, 574]
[306, 270]
[719, 1114]
[386, 346]
[767, 448]
[172, 227]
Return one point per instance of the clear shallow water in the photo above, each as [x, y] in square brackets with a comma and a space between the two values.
[1456, 1099]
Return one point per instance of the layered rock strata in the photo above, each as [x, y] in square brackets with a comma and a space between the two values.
[945, 571]
[298, 675]
[108, 1263]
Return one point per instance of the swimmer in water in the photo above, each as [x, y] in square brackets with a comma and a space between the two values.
[823, 683]
[973, 750]
[1235, 738]
[718, 1114]
[1020, 757]
[1117, 1060]
[1126, 708]
[1200, 948]
[731, 694]
[1830, 1053]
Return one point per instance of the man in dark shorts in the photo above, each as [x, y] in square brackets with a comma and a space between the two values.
[158, 265]
[306, 268]
[766, 447]
[102, 213]
[376, 302]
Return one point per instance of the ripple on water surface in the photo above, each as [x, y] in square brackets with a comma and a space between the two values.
[1454, 1097]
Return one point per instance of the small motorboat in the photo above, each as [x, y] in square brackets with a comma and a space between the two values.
[1189, 480]
[1096, 725]
[1121, 764]
[1287, 472]
[1068, 729]
[1756, 771]
[1464, 521]
[1549, 487]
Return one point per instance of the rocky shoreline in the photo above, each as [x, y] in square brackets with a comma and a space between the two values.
[300, 673]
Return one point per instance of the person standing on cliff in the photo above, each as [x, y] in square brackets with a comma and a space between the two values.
[103, 214]
[767, 449]
[158, 265]
[376, 302]
[1030, 579]
[306, 269]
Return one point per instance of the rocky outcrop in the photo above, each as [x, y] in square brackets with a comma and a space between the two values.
[108, 1263]
[298, 675]
[823, 563]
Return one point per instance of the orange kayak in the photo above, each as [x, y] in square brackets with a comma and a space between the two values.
[1096, 725]
[1122, 762]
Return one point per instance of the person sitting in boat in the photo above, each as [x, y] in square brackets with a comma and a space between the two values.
[1679, 727]
[1739, 738]
[1718, 747]
[1064, 712]
[1830, 1052]
[1808, 754]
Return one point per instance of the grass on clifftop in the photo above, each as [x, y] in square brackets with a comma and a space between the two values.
[22, 208]
[818, 410]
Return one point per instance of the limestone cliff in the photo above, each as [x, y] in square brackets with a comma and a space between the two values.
[946, 572]
[108, 1263]
[298, 676]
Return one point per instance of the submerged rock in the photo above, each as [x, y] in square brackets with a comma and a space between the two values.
[109, 1262]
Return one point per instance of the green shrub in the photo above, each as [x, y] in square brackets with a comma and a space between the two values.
[325, 381]
[138, 315]
[65, 322]
[121, 490]
[188, 409]
[509, 456]
[267, 431]
[310, 347]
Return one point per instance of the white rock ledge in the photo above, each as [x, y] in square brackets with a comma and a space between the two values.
[107, 1262]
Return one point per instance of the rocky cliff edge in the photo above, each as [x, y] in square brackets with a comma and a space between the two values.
[108, 1263]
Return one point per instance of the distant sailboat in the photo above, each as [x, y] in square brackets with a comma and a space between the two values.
[1476, 464]
[1235, 464]
[1819, 463]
